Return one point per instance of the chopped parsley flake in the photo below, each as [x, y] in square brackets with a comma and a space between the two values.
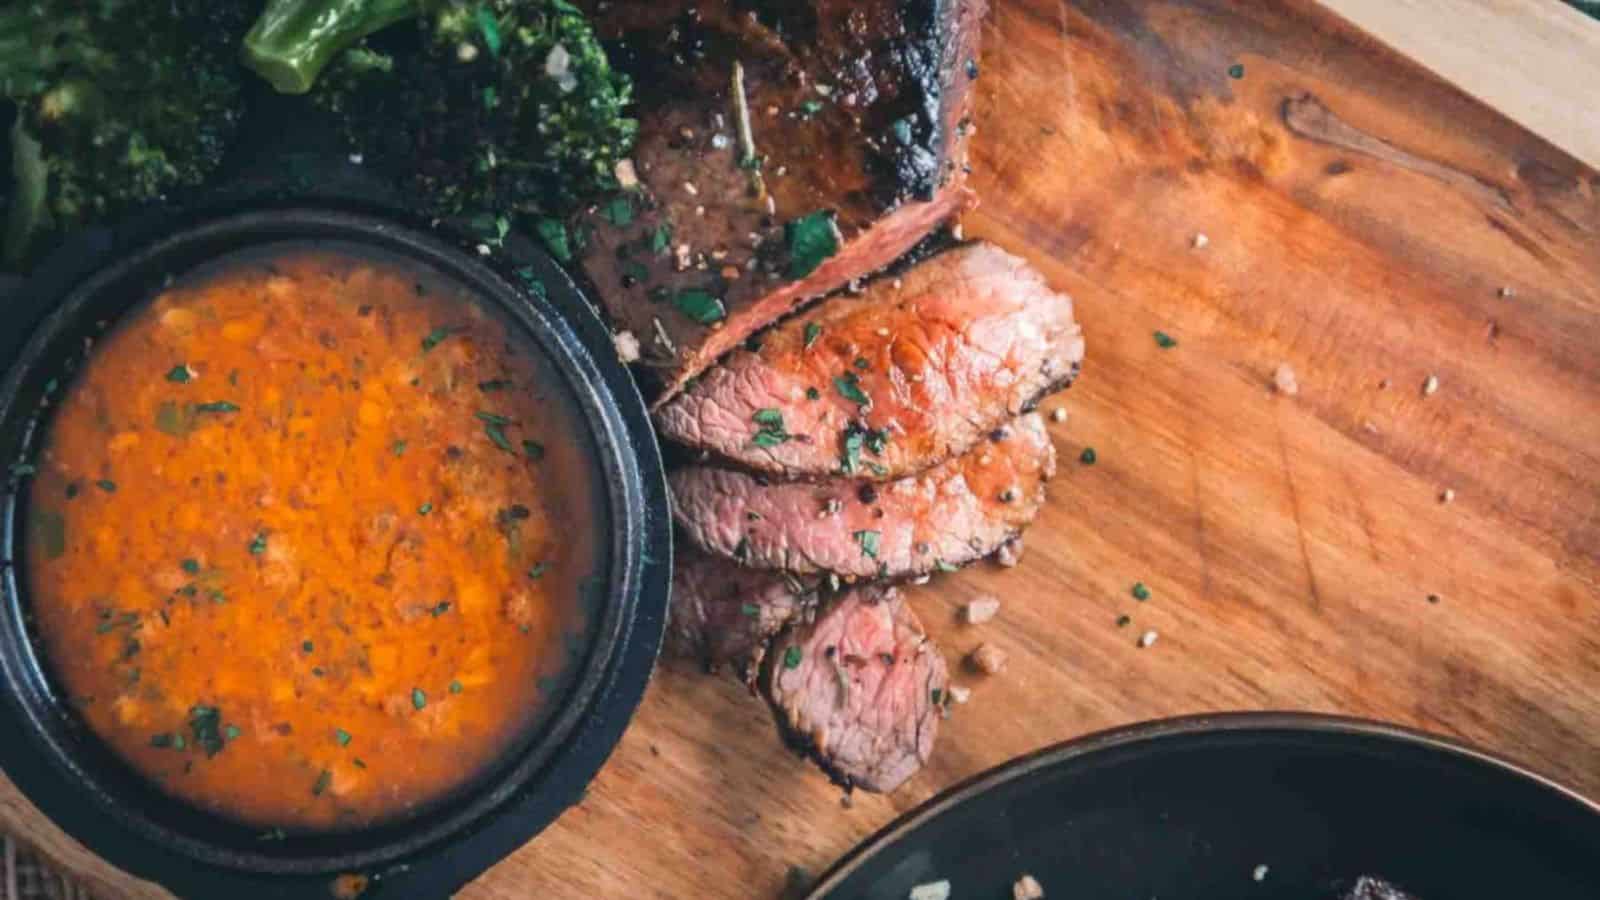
[498, 384]
[258, 544]
[849, 387]
[342, 737]
[749, 610]
[1140, 592]
[1165, 341]
[533, 450]
[418, 698]
[553, 234]
[180, 374]
[771, 432]
[1236, 71]
[323, 780]
[455, 687]
[206, 723]
[869, 542]
[813, 394]
[107, 485]
[1088, 456]
[307, 646]
[812, 239]
[191, 566]
[435, 337]
[399, 448]
[660, 239]
[700, 306]
[813, 331]
[792, 657]
[537, 570]
[424, 509]
[619, 211]
[219, 406]
[943, 566]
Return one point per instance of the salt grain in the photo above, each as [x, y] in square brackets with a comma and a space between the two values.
[693, 191]
[988, 659]
[1027, 888]
[1199, 241]
[627, 176]
[1059, 414]
[1506, 293]
[1448, 495]
[959, 694]
[1148, 638]
[982, 609]
[1430, 386]
[627, 346]
[933, 890]
[1010, 553]
[1284, 381]
[1260, 872]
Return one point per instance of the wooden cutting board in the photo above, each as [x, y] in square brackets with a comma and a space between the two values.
[1365, 224]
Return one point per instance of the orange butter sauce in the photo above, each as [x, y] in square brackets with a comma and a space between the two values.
[306, 537]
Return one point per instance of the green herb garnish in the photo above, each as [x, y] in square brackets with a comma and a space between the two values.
[218, 406]
[813, 394]
[497, 434]
[869, 542]
[533, 450]
[749, 610]
[1088, 456]
[490, 29]
[231, 733]
[813, 331]
[180, 374]
[943, 566]
[554, 236]
[849, 387]
[323, 780]
[191, 566]
[439, 609]
[342, 737]
[498, 384]
[619, 211]
[399, 448]
[455, 687]
[1140, 592]
[418, 698]
[436, 337]
[307, 646]
[1165, 341]
[700, 306]
[424, 509]
[811, 238]
[107, 485]
[537, 570]
[660, 239]
[792, 657]
[936, 696]
[1236, 71]
[492, 418]
[635, 270]
[850, 453]
[770, 433]
[258, 544]
[206, 723]
[810, 108]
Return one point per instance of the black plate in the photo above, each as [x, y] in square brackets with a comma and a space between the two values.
[1189, 808]
[97, 799]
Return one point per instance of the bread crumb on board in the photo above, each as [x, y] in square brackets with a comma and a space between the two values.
[988, 659]
[933, 890]
[1027, 888]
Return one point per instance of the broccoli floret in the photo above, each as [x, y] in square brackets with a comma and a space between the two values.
[119, 102]
[504, 107]
[293, 40]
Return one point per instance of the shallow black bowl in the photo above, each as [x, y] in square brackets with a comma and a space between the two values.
[96, 798]
[1189, 808]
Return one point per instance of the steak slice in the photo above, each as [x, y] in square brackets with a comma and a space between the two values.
[957, 512]
[724, 614]
[960, 344]
[859, 689]
[857, 113]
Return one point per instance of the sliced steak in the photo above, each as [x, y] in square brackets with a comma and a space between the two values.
[957, 512]
[724, 614]
[960, 344]
[857, 113]
[859, 689]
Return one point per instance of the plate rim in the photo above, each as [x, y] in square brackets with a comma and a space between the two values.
[1154, 730]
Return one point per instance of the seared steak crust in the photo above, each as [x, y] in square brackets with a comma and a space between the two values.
[952, 514]
[859, 689]
[856, 110]
[724, 614]
[959, 344]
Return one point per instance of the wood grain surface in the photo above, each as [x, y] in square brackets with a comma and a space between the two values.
[1365, 224]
